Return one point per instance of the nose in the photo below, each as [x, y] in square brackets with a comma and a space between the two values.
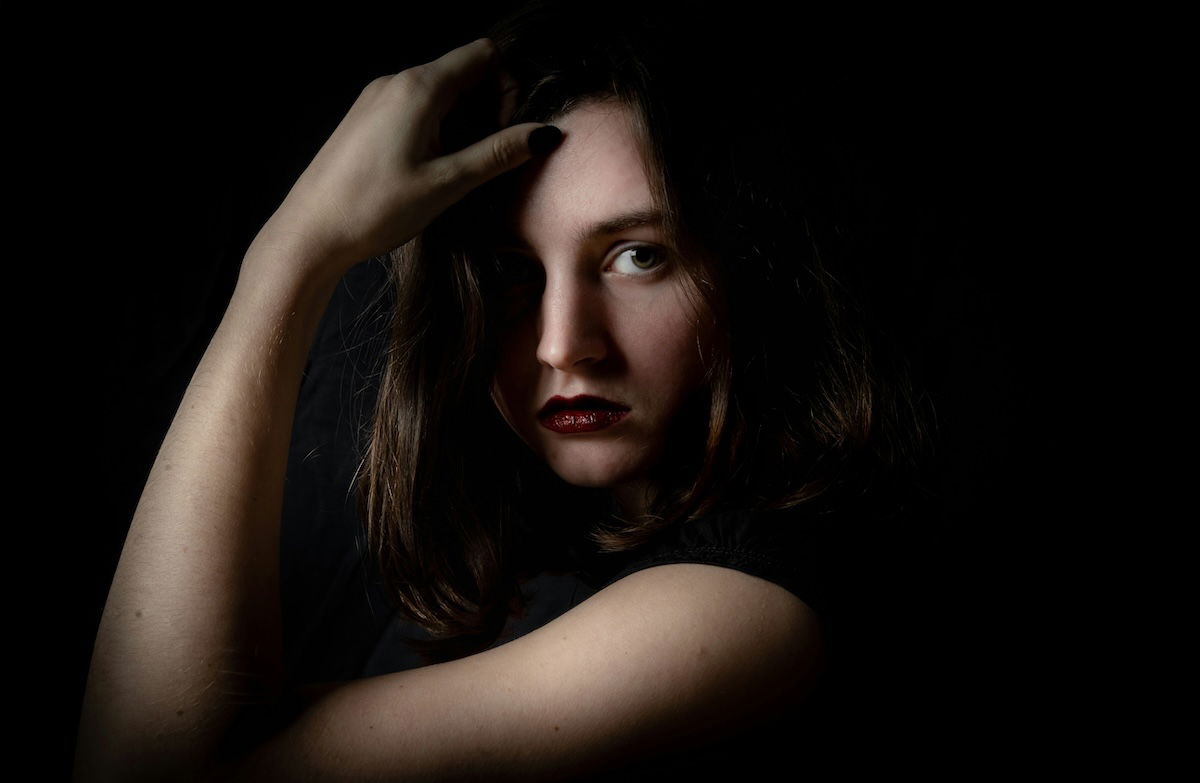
[571, 323]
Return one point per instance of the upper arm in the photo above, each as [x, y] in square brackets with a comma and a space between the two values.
[662, 658]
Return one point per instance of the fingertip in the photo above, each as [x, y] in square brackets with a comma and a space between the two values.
[544, 139]
[489, 46]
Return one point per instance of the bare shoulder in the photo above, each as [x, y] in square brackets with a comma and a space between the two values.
[667, 657]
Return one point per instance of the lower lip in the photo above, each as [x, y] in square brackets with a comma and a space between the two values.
[590, 420]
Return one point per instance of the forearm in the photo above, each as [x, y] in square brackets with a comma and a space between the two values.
[191, 632]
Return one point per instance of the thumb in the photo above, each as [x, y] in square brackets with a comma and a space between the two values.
[503, 151]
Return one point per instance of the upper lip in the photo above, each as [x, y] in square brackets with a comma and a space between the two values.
[557, 403]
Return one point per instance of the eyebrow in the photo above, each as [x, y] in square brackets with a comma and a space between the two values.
[614, 225]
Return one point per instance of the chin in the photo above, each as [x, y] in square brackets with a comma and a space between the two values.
[593, 479]
[579, 471]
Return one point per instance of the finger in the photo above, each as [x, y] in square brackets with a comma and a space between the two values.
[508, 104]
[498, 153]
[507, 82]
[460, 69]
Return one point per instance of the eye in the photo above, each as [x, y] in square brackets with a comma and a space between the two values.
[642, 259]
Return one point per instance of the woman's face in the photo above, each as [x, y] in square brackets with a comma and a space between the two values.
[597, 307]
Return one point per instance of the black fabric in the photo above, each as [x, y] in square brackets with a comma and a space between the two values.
[781, 546]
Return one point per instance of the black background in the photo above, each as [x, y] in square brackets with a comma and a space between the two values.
[158, 143]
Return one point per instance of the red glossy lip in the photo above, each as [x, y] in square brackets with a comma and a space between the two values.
[575, 420]
[580, 402]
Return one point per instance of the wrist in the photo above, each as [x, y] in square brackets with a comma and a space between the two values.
[294, 258]
[303, 247]
[287, 278]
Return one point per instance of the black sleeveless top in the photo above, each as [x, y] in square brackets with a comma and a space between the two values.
[780, 546]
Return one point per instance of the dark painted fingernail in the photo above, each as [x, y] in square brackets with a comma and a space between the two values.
[544, 139]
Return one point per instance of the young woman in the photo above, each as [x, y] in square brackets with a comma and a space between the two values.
[617, 352]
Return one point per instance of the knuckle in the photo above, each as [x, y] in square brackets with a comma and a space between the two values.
[379, 85]
[490, 49]
[375, 85]
[443, 174]
[413, 80]
[501, 151]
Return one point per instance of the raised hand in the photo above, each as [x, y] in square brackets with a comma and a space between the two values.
[383, 175]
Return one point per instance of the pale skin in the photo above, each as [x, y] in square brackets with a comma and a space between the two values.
[190, 637]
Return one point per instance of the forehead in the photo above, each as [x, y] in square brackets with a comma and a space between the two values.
[595, 174]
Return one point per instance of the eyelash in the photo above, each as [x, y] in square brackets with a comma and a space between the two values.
[659, 253]
[525, 265]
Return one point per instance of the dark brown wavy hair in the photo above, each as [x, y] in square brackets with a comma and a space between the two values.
[798, 408]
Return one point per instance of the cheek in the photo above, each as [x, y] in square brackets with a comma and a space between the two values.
[670, 374]
[667, 343]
